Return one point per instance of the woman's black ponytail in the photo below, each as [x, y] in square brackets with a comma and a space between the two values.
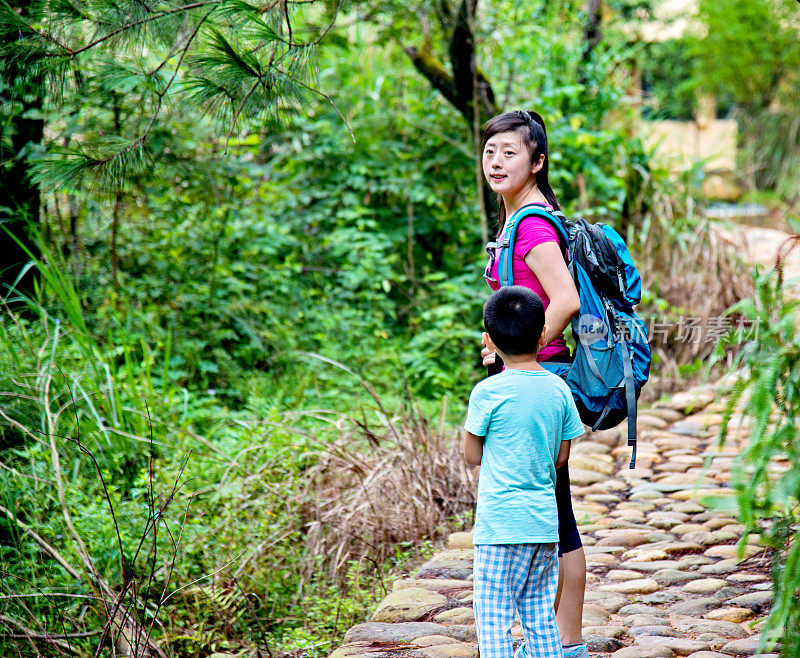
[540, 142]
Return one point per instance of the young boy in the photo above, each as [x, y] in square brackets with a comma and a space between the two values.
[519, 426]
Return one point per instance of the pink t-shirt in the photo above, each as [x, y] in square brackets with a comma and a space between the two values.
[532, 231]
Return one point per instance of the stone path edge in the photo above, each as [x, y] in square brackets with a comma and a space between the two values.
[665, 576]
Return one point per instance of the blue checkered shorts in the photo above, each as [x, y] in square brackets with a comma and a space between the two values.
[516, 579]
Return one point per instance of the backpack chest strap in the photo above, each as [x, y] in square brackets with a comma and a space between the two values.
[505, 246]
[505, 261]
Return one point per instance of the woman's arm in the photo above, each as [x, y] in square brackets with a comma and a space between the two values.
[547, 264]
[473, 448]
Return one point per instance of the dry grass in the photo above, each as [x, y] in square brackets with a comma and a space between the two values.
[375, 487]
[700, 274]
[703, 273]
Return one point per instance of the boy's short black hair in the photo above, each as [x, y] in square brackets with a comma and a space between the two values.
[514, 317]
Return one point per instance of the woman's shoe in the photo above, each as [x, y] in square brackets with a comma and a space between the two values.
[576, 651]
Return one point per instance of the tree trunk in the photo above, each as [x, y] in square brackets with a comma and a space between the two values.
[467, 88]
[592, 34]
[19, 195]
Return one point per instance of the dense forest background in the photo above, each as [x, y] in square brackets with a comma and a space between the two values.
[241, 262]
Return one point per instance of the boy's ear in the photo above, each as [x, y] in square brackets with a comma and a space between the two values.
[543, 337]
[487, 340]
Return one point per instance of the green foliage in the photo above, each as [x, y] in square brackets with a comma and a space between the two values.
[766, 472]
[442, 353]
[115, 482]
[302, 239]
[177, 309]
[668, 69]
[749, 50]
[244, 65]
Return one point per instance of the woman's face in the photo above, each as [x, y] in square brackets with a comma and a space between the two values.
[507, 162]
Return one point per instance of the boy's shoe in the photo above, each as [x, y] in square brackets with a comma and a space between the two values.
[576, 651]
[570, 651]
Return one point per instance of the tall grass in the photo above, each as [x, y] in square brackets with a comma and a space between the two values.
[89, 541]
[771, 154]
[376, 486]
[137, 518]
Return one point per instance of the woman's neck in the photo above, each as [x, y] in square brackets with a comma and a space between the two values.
[515, 201]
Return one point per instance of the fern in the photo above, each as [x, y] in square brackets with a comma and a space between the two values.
[768, 501]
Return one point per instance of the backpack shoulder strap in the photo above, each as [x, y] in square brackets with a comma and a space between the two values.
[506, 244]
[559, 222]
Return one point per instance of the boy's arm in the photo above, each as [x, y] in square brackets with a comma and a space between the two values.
[563, 453]
[473, 448]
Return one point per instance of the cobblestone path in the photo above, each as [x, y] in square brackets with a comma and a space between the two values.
[664, 578]
[664, 575]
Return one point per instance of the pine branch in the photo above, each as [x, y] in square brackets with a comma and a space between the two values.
[227, 75]
[238, 112]
[118, 162]
[324, 95]
[274, 36]
[316, 41]
[72, 53]
[173, 51]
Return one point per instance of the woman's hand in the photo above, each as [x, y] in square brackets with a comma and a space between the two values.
[489, 356]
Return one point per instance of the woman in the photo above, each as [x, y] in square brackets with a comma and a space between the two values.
[515, 164]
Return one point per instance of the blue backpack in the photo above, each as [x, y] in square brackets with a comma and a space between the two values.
[612, 352]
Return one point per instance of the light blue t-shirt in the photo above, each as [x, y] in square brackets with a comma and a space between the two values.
[524, 415]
